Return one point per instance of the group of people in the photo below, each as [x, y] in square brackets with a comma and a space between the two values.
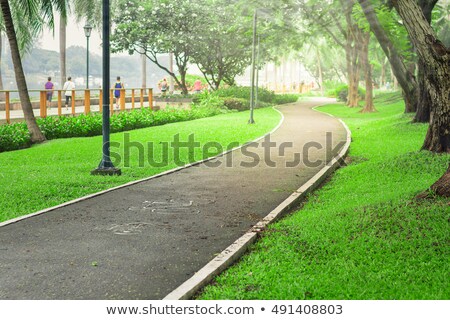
[164, 86]
[69, 86]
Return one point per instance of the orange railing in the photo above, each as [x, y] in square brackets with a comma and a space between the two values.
[142, 95]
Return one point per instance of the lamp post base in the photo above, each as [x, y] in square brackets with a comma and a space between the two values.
[106, 171]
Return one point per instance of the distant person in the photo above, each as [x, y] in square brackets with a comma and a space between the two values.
[68, 87]
[49, 87]
[118, 85]
[197, 86]
[388, 85]
[163, 86]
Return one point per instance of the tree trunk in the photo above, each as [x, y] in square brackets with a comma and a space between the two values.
[442, 186]
[406, 80]
[62, 49]
[319, 66]
[423, 107]
[143, 71]
[437, 82]
[368, 107]
[425, 101]
[436, 73]
[352, 44]
[383, 73]
[36, 134]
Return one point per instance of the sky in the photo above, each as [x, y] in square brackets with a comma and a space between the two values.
[75, 37]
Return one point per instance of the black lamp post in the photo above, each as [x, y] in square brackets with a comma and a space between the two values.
[87, 33]
[106, 167]
[252, 92]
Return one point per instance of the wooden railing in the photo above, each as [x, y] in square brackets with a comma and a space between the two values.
[289, 88]
[139, 94]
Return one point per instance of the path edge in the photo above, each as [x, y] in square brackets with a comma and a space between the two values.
[90, 196]
[236, 250]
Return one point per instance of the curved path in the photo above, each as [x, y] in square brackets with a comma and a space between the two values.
[144, 240]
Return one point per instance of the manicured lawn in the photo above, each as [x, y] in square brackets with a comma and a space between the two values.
[362, 236]
[59, 170]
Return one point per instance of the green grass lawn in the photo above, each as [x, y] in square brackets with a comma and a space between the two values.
[362, 236]
[59, 170]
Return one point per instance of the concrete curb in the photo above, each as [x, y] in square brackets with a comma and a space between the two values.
[240, 246]
[8, 222]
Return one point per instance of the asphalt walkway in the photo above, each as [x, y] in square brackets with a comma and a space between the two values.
[143, 241]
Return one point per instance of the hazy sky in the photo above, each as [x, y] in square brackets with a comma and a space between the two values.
[75, 37]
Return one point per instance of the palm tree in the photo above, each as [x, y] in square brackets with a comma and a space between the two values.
[33, 15]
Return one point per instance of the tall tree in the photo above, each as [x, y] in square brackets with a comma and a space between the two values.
[158, 27]
[406, 80]
[33, 14]
[62, 49]
[436, 58]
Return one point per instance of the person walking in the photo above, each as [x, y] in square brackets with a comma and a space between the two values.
[49, 87]
[118, 85]
[68, 87]
[163, 86]
[197, 86]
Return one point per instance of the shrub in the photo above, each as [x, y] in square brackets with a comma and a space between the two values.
[236, 104]
[264, 95]
[14, 136]
[341, 93]
[286, 98]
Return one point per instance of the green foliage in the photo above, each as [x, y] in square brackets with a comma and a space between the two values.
[14, 136]
[264, 95]
[286, 98]
[236, 104]
[341, 93]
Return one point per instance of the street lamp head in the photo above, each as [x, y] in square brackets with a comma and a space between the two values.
[87, 30]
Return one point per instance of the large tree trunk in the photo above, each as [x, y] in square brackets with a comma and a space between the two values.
[436, 73]
[437, 81]
[425, 101]
[62, 49]
[442, 186]
[368, 107]
[36, 134]
[406, 80]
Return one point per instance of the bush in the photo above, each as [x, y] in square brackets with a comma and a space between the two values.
[264, 95]
[236, 104]
[14, 136]
[341, 93]
[286, 98]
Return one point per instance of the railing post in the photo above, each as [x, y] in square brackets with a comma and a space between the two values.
[111, 99]
[59, 103]
[73, 102]
[150, 98]
[87, 101]
[122, 99]
[142, 98]
[42, 107]
[132, 98]
[7, 107]
[100, 101]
